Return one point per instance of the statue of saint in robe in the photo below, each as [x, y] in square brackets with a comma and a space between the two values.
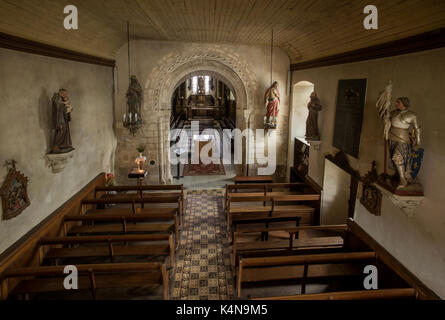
[134, 99]
[314, 106]
[61, 107]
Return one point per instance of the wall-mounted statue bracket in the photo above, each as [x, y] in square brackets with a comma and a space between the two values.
[58, 161]
[408, 204]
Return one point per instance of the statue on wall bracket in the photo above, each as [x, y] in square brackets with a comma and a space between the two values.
[272, 100]
[402, 141]
[314, 106]
[61, 148]
[61, 112]
[14, 192]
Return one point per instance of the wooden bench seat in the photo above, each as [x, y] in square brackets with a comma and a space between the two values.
[399, 293]
[290, 245]
[289, 267]
[140, 246]
[133, 201]
[125, 217]
[258, 212]
[91, 277]
[272, 205]
[154, 193]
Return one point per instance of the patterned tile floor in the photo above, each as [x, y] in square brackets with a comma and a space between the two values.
[203, 270]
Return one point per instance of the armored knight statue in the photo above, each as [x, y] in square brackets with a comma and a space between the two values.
[272, 98]
[402, 133]
[61, 117]
[314, 106]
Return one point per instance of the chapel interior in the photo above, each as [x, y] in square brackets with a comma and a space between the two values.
[222, 150]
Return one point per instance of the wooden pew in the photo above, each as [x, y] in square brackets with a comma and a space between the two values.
[91, 277]
[398, 293]
[292, 245]
[123, 217]
[164, 194]
[124, 227]
[254, 209]
[111, 250]
[266, 266]
[133, 202]
[265, 189]
[253, 179]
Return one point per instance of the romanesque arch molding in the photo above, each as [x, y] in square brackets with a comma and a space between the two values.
[172, 69]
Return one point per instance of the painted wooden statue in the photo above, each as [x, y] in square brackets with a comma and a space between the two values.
[61, 110]
[272, 100]
[314, 106]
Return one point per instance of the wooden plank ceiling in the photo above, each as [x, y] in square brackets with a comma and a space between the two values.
[306, 30]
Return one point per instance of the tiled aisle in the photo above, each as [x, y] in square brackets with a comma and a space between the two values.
[203, 269]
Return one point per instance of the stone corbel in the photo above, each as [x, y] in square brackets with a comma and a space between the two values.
[58, 161]
[408, 204]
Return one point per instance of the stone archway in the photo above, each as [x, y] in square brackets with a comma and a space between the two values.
[166, 76]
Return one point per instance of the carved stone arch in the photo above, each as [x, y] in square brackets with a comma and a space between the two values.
[171, 70]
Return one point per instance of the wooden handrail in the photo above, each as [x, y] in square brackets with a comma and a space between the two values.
[352, 295]
[268, 185]
[114, 217]
[144, 188]
[340, 227]
[82, 268]
[283, 198]
[105, 238]
[303, 259]
[167, 199]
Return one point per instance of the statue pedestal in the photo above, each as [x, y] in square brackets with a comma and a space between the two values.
[58, 161]
[408, 203]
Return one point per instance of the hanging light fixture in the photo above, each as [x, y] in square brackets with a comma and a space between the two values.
[132, 115]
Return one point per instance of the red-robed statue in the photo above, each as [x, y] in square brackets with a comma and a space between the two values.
[272, 99]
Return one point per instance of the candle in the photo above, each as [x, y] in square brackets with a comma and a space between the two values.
[136, 117]
[125, 116]
[130, 116]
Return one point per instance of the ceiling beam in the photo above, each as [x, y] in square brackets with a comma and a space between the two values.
[33, 47]
[421, 42]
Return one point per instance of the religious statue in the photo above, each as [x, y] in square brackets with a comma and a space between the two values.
[312, 133]
[272, 100]
[134, 99]
[201, 85]
[61, 116]
[402, 135]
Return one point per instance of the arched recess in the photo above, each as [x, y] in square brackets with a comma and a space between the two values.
[168, 75]
[297, 117]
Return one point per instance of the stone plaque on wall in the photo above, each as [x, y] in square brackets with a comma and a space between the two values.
[349, 115]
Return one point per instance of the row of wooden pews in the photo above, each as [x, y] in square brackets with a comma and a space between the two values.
[270, 204]
[319, 266]
[122, 238]
[280, 252]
